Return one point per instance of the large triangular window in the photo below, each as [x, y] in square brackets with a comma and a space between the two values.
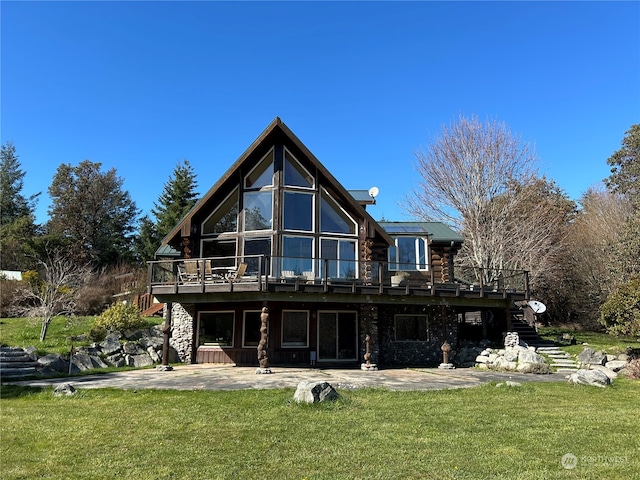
[334, 219]
[262, 174]
[295, 175]
[225, 218]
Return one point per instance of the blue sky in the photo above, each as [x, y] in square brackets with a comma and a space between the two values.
[139, 86]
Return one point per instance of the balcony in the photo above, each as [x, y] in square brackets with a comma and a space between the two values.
[224, 275]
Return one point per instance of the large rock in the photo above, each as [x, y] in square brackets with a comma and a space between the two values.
[482, 359]
[607, 371]
[529, 356]
[501, 363]
[64, 389]
[616, 365]
[132, 348]
[111, 344]
[143, 360]
[55, 362]
[81, 362]
[594, 378]
[526, 367]
[313, 392]
[115, 360]
[589, 357]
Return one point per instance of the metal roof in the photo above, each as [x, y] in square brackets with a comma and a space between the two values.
[436, 231]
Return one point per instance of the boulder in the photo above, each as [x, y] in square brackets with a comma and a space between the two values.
[132, 348]
[607, 371]
[116, 360]
[55, 362]
[589, 357]
[111, 344]
[540, 368]
[143, 360]
[594, 378]
[313, 392]
[529, 356]
[616, 365]
[81, 362]
[153, 354]
[64, 389]
[482, 359]
[501, 363]
[511, 355]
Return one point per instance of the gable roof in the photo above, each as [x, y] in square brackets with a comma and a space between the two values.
[275, 128]
[436, 231]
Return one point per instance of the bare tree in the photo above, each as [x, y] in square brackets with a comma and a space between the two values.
[480, 179]
[52, 291]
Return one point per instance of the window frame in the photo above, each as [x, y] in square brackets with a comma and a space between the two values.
[396, 265]
[287, 155]
[307, 325]
[411, 315]
[216, 344]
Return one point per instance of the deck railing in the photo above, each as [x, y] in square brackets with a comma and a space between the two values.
[264, 270]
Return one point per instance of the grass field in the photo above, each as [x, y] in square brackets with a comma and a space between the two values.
[478, 433]
[595, 340]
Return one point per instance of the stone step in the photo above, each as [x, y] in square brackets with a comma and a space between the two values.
[17, 372]
[4, 364]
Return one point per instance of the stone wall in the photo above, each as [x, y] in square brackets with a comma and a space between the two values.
[419, 353]
[182, 328]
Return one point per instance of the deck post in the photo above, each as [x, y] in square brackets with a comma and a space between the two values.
[166, 330]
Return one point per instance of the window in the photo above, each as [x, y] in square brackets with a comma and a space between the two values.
[297, 253]
[295, 175]
[340, 256]
[258, 208]
[254, 247]
[408, 253]
[295, 328]
[224, 218]
[216, 328]
[224, 252]
[333, 219]
[251, 329]
[298, 211]
[262, 174]
[412, 328]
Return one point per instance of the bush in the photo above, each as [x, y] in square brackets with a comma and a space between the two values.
[620, 314]
[634, 369]
[118, 318]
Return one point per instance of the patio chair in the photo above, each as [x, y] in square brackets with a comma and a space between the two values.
[242, 268]
[191, 271]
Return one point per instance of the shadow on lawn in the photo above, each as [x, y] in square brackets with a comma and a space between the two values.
[16, 391]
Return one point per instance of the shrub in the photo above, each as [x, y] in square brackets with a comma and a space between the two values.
[634, 369]
[118, 318]
[620, 314]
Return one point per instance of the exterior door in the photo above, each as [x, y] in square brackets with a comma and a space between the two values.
[337, 336]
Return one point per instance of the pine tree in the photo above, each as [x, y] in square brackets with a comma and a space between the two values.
[176, 199]
[17, 219]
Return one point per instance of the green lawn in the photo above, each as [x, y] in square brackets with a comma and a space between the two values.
[596, 341]
[478, 433]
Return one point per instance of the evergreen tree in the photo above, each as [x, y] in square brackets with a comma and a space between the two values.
[91, 210]
[177, 198]
[17, 219]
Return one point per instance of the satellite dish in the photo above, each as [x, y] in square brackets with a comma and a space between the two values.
[373, 192]
[537, 307]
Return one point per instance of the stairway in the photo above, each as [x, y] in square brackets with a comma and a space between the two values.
[15, 363]
[527, 333]
[561, 361]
